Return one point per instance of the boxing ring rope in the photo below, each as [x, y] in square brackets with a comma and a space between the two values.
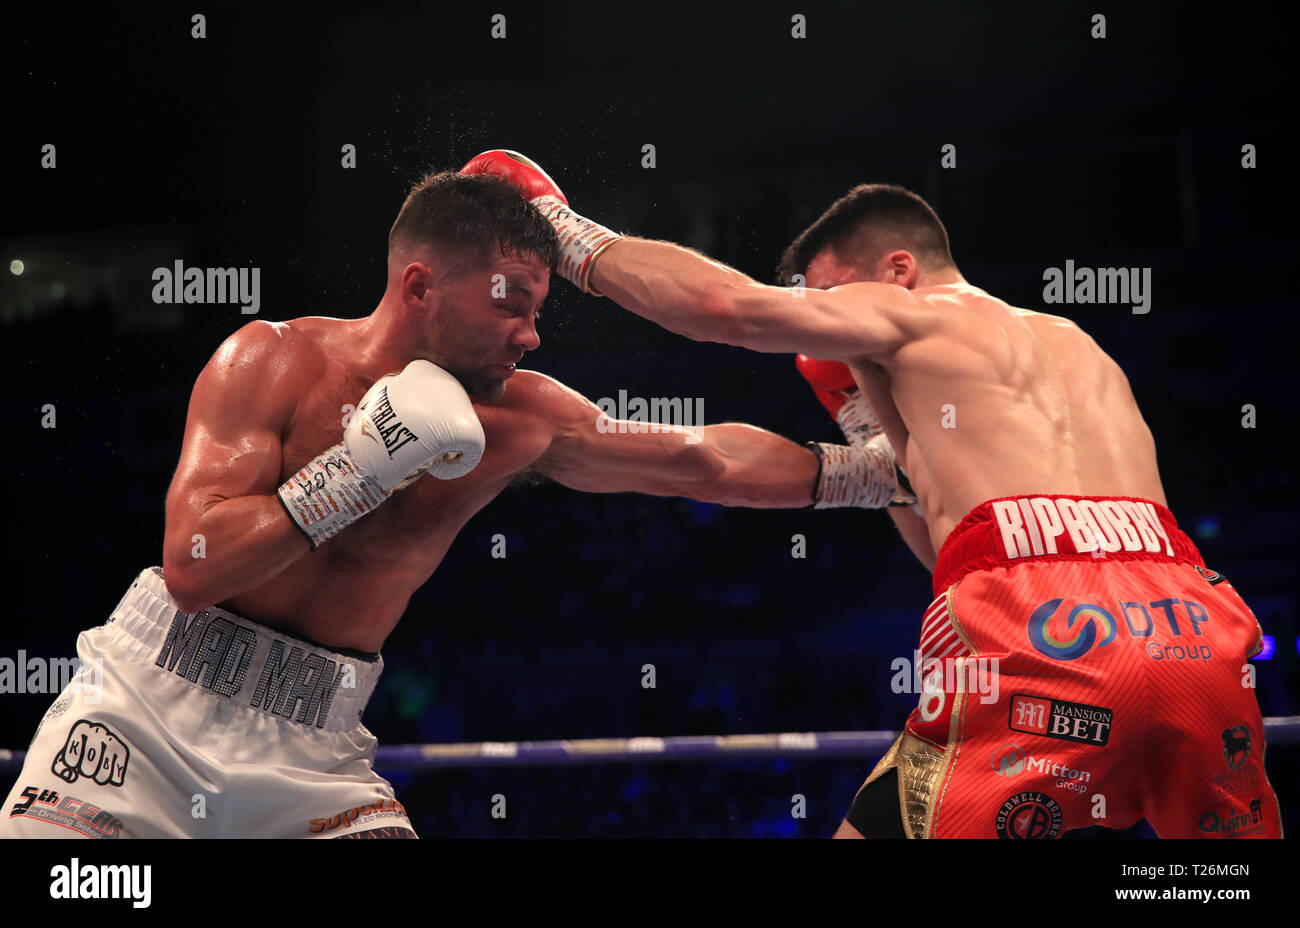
[1280, 730]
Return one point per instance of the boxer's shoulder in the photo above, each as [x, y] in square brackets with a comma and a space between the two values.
[538, 405]
[276, 349]
[1068, 342]
[520, 425]
[260, 341]
[262, 366]
[535, 394]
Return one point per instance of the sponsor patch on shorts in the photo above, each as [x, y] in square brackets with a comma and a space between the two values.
[1236, 746]
[1060, 719]
[1029, 815]
[1235, 781]
[48, 805]
[1234, 822]
[359, 817]
[1008, 760]
[384, 831]
[94, 752]
[1211, 576]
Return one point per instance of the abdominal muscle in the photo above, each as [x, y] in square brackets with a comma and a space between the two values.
[353, 590]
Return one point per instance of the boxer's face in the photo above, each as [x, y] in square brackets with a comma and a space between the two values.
[487, 319]
[828, 269]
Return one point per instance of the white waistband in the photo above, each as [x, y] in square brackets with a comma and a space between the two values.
[253, 665]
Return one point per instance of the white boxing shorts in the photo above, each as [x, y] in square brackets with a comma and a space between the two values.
[204, 725]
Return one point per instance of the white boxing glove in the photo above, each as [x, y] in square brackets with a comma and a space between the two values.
[419, 421]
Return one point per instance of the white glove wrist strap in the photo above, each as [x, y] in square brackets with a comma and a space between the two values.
[328, 494]
[580, 240]
[858, 420]
[860, 477]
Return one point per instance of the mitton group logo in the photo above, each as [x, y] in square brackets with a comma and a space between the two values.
[1067, 635]
[1010, 761]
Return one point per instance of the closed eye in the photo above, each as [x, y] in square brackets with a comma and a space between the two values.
[516, 310]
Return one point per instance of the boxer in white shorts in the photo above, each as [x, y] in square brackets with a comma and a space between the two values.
[244, 732]
[234, 679]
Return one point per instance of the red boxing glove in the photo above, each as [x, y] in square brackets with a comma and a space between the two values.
[835, 387]
[832, 381]
[581, 240]
[518, 170]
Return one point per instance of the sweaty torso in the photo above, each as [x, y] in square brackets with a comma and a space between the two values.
[352, 591]
[999, 401]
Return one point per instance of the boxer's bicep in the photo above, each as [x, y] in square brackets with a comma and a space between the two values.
[592, 452]
[238, 410]
[597, 454]
[849, 323]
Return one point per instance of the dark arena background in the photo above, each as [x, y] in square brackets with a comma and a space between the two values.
[1161, 145]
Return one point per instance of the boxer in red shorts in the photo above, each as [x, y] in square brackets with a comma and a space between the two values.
[1122, 684]
[1080, 665]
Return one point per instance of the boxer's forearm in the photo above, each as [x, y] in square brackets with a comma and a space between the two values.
[677, 288]
[754, 468]
[730, 464]
[245, 543]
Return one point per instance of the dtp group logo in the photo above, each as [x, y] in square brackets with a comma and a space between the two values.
[1081, 630]
[1069, 634]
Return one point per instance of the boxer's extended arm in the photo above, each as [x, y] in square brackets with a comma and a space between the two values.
[225, 486]
[688, 293]
[695, 296]
[731, 464]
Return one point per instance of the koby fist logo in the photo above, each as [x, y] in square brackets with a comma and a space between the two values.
[93, 752]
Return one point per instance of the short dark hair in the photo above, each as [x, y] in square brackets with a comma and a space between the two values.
[472, 214]
[867, 222]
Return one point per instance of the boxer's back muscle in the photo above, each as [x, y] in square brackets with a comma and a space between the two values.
[1001, 401]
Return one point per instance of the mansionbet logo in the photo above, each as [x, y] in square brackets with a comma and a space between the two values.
[1067, 635]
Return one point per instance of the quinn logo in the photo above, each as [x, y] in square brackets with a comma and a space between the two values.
[1081, 630]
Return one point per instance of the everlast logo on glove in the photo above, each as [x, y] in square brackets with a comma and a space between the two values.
[394, 434]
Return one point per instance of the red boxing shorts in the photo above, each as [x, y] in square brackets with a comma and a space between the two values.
[1080, 667]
